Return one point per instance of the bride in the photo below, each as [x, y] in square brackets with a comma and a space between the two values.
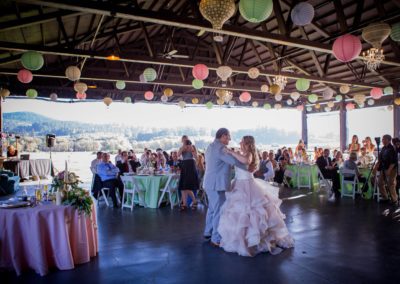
[251, 221]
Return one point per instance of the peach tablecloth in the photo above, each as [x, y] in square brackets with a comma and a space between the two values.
[46, 236]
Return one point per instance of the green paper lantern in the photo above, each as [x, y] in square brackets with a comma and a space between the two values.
[302, 85]
[127, 100]
[31, 93]
[149, 74]
[388, 91]
[120, 85]
[209, 105]
[339, 98]
[395, 33]
[267, 106]
[197, 84]
[313, 98]
[32, 60]
[255, 11]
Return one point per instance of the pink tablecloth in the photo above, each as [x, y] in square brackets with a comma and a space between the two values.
[46, 236]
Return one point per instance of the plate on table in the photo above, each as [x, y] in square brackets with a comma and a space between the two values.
[129, 174]
[14, 204]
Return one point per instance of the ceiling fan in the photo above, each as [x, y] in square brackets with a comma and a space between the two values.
[173, 54]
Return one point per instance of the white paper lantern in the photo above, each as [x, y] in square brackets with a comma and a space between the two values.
[255, 104]
[327, 109]
[309, 108]
[128, 100]
[53, 97]
[264, 88]
[278, 97]
[73, 73]
[371, 102]
[224, 72]
[277, 106]
[80, 87]
[359, 98]
[164, 98]
[142, 78]
[182, 104]
[330, 104]
[295, 96]
[253, 73]
[289, 102]
[232, 103]
[327, 94]
[389, 108]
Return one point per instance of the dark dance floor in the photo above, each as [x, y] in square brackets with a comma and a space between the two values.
[344, 242]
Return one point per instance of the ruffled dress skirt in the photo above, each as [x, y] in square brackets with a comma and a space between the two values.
[251, 221]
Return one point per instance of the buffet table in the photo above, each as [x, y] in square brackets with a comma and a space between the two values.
[46, 236]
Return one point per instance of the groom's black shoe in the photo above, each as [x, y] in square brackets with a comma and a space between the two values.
[207, 238]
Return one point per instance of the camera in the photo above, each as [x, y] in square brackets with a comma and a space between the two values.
[378, 140]
[188, 142]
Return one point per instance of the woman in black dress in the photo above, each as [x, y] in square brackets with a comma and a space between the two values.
[189, 181]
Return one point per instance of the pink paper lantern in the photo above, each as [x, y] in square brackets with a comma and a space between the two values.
[149, 95]
[200, 72]
[350, 106]
[346, 48]
[245, 97]
[300, 107]
[81, 96]
[376, 93]
[24, 76]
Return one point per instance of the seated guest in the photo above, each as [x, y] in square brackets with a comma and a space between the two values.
[350, 164]
[338, 160]
[354, 146]
[271, 158]
[396, 144]
[318, 152]
[130, 154]
[123, 164]
[108, 174]
[118, 157]
[96, 184]
[166, 156]
[329, 171]
[290, 152]
[12, 152]
[299, 147]
[145, 159]
[200, 165]
[265, 171]
[134, 162]
[278, 154]
[153, 160]
[160, 160]
[365, 158]
[174, 160]
[284, 160]
[369, 147]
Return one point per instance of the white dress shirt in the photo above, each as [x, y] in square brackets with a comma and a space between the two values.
[93, 165]
[270, 174]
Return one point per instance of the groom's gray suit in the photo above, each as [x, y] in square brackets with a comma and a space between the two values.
[217, 179]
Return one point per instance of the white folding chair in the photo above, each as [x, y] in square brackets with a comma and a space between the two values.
[201, 194]
[304, 171]
[105, 193]
[377, 193]
[287, 174]
[351, 180]
[323, 182]
[170, 188]
[129, 190]
[140, 191]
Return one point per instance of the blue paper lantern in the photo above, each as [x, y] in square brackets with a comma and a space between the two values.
[302, 14]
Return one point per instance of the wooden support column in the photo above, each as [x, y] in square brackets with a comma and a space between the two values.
[304, 127]
[396, 114]
[343, 127]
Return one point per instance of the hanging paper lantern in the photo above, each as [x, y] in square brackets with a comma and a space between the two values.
[275, 89]
[232, 103]
[388, 91]
[344, 89]
[295, 96]
[24, 76]
[80, 87]
[220, 102]
[267, 106]
[300, 107]
[327, 109]
[339, 98]
[346, 48]
[302, 14]
[253, 73]
[330, 104]
[197, 84]
[395, 34]
[376, 93]
[32, 60]
[254, 104]
[81, 96]
[309, 109]
[120, 85]
[264, 88]
[278, 97]
[224, 72]
[168, 92]
[224, 94]
[277, 106]
[209, 105]
[327, 94]
[376, 33]
[350, 106]
[149, 95]
[127, 100]
[200, 72]
[397, 101]
[73, 73]
[359, 98]
[53, 97]
[302, 85]
[370, 102]
[4, 93]
[107, 101]
[149, 74]
[142, 79]
[217, 12]
[289, 102]
[245, 97]
[31, 93]
[389, 108]
[164, 98]
[182, 104]
[313, 98]
[195, 101]
[361, 105]
[317, 106]
[255, 11]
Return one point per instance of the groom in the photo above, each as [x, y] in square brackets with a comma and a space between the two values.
[217, 179]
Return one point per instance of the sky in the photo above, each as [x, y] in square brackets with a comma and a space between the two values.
[363, 122]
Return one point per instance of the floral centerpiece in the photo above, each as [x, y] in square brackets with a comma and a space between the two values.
[72, 194]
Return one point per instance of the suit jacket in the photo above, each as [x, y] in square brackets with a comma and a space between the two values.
[321, 163]
[218, 167]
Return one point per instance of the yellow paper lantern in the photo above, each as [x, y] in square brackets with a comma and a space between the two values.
[4, 93]
[344, 89]
[331, 104]
[220, 102]
[168, 92]
[275, 89]
[397, 101]
[107, 101]
[217, 12]
[195, 101]
[73, 73]
[376, 33]
[317, 106]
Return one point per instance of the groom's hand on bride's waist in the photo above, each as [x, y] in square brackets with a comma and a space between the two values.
[252, 168]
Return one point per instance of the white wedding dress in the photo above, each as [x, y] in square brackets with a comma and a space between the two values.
[251, 221]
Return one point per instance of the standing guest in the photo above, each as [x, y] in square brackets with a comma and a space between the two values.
[396, 144]
[338, 160]
[173, 161]
[278, 154]
[12, 152]
[200, 165]
[96, 183]
[354, 146]
[134, 162]
[118, 157]
[123, 164]
[334, 153]
[329, 171]
[161, 162]
[351, 164]
[108, 174]
[189, 181]
[387, 165]
[369, 147]
[284, 160]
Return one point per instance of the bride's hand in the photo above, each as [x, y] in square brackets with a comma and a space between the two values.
[228, 151]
